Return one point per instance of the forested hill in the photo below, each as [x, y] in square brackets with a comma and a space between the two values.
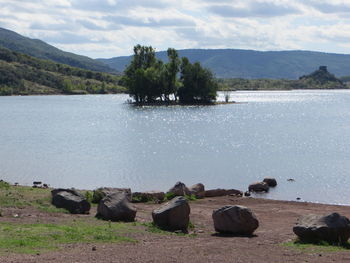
[40, 49]
[21, 74]
[235, 63]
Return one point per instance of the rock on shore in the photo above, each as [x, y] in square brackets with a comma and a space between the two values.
[70, 200]
[333, 228]
[102, 192]
[179, 189]
[174, 215]
[116, 207]
[258, 187]
[235, 220]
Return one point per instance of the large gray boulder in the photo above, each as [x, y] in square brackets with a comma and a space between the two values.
[235, 220]
[198, 190]
[179, 189]
[272, 182]
[258, 187]
[333, 228]
[116, 207]
[70, 200]
[173, 215]
[102, 192]
[222, 192]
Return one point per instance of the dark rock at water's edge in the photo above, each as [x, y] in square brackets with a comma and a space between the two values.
[70, 200]
[258, 187]
[102, 192]
[235, 220]
[179, 189]
[222, 192]
[271, 182]
[332, 228]
[116, 207]
[174, 215]
[198, 190]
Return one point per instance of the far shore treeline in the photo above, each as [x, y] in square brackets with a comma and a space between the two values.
[149, 80]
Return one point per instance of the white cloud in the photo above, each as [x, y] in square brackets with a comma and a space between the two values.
[106, 28]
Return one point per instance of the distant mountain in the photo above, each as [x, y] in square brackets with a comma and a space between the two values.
[235, 63]
[40, 49]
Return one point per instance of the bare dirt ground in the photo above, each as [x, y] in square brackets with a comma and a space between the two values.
[276, 221]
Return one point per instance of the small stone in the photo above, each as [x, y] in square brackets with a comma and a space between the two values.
[94, 248]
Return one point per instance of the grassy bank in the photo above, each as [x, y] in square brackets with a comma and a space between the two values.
[39, 237]
[30, 224]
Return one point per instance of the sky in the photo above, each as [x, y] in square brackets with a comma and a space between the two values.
[110, 28]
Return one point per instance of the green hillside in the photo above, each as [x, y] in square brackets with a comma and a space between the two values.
[40, 49]
[24, 75]
[234, 63]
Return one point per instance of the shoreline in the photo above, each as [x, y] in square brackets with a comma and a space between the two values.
[117, 93]
[254, 195]
[271, 242]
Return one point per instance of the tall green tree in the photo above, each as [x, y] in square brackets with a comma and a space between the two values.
[136, 79]
[172, 68]
[198, 83]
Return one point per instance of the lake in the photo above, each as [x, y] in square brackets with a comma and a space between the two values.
[99, 140]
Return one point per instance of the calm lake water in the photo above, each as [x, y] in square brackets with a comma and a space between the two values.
[93, 141]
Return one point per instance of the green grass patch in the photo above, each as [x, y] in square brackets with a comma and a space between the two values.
[171, 195]
[191, 197]
[34, 238]
[317, 247]
[4, 185]
[25, 196]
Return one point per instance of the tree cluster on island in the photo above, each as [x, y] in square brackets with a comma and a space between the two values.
[149, 80]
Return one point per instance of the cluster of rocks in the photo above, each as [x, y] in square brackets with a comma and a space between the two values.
[38, 184]
[263, 186]
[115, 204]
[198, 190]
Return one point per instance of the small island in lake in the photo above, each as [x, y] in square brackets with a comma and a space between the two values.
[148, 80]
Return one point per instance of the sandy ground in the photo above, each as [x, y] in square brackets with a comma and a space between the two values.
[276, 221]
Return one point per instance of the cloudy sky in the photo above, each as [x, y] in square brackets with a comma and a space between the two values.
[108, 28]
